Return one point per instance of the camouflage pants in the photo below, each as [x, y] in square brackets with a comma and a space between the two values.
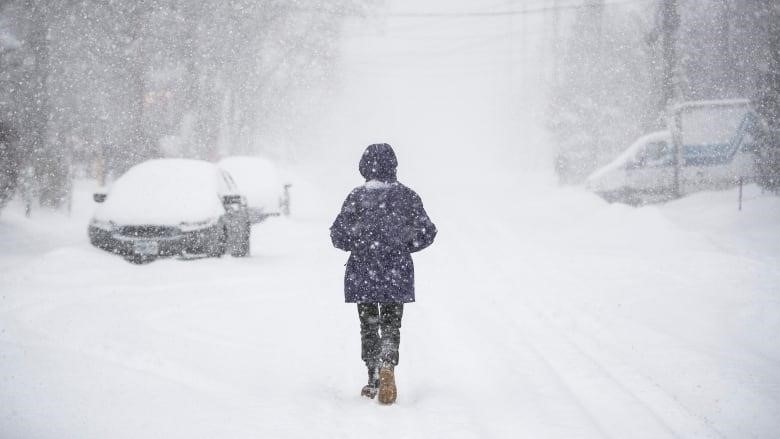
[380, 333]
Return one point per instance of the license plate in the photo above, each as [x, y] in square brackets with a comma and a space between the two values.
[145, 247]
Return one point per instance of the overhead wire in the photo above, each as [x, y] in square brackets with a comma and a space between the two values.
[485, 14]
[465, 44]
[394, 28]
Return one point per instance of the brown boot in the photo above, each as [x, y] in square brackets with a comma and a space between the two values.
[387, 391]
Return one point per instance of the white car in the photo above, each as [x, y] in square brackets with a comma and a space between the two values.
[259, 179]
[169, 207]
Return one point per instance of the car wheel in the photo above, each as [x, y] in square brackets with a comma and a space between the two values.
[218, 248]
[139, 259]
[240, 247]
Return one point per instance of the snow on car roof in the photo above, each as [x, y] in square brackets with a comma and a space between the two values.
[164, 192]
[257, 178]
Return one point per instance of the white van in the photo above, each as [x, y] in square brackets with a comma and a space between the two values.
[712, 141]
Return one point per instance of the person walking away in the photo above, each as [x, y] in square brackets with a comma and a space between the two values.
[381, 223]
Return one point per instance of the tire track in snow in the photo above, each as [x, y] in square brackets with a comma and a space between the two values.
[627, 380]
[501, 322]
[633, 378]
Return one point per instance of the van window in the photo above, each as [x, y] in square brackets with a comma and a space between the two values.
[712, 124]
[748, 143]
[657, 154]
[746, 137]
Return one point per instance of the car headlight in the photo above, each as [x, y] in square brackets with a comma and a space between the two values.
[108, 226]
[186, 226]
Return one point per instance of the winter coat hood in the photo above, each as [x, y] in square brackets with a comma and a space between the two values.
[379, 163]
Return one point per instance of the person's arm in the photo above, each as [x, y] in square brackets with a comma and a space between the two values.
[422, 230]
[343, 232]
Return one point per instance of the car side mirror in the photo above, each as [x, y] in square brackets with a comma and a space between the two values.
[231, 200]
[284, 202]
[99, 197]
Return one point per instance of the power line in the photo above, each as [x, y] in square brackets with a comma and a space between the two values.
[487, 14]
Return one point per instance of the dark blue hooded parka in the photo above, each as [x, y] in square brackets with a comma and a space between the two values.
[381, 223]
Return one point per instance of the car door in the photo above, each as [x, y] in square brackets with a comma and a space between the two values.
[651, 172]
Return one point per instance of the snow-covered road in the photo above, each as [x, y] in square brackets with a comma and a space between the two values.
[542, 312]
[608, 321]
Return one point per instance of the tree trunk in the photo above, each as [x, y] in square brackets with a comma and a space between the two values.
[772, 110]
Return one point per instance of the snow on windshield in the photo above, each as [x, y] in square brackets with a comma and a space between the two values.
[164, 192]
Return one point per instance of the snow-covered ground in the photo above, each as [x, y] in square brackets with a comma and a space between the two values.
[542, 312]
[605, 321]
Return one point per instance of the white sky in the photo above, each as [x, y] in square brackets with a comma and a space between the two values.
[439, 91]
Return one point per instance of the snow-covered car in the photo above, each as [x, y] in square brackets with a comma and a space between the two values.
[259, 179]
[168, 207]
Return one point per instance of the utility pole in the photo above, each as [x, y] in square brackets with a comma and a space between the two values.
[139, 146]
[670, 22]
[509, 104]
[726, 65]
[556, 42]
[510, 71]
[596, 15]
[772, 94]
